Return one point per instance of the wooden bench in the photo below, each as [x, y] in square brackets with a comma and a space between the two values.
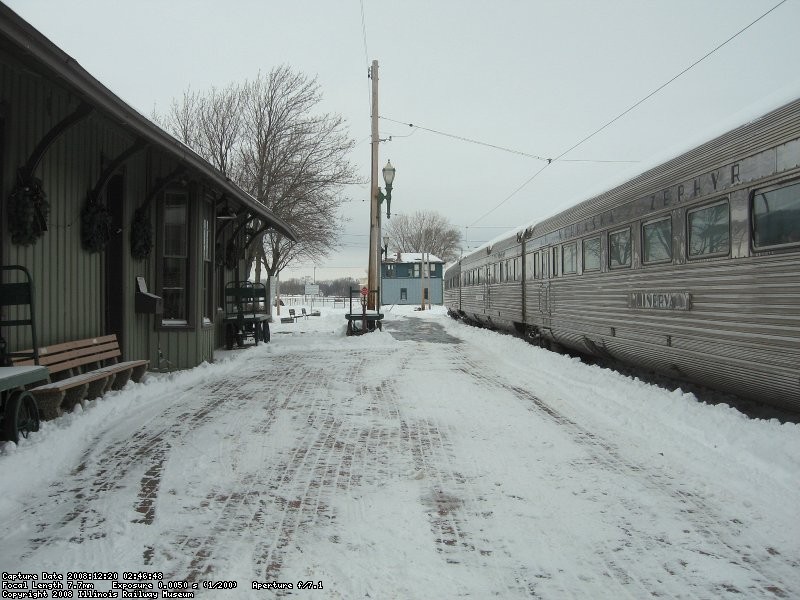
[81, 370]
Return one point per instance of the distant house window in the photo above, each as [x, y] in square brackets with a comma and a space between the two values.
[390, 271]
[569, 258]
[776, 216]
[619, 249]
[175, 258]
[709, 230]
[657, 241]
[403, 293]
[591, 254]
[416, 271]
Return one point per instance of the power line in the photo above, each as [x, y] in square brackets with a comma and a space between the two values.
[661, 87]
[511, 195]
[495, 146]
[625, 112]
[366, 54]
[465, 139]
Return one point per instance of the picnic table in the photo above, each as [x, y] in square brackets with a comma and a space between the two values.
[19, 411]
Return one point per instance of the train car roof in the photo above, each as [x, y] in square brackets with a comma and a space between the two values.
[743, 140]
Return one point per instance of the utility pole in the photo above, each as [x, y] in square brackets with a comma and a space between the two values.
[373, 282]
[422, 272]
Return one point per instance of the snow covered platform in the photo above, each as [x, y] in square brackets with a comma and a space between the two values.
[383, 466]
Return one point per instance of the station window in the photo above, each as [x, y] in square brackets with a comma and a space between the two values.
[619, 249]
[208, 264]
[175, 258]
[591, 254]
[709, 230]
[569, 258]
[657, 241]
[776, 216]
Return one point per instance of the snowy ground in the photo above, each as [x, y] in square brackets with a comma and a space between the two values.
[469, 465]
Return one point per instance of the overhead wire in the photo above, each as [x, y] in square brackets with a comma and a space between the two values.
[626, 111]
[494, 146]
[366, 55]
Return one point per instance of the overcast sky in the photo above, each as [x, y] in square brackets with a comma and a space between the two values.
[535, 77]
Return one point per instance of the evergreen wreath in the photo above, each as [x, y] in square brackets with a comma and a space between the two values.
[28, 211]
[95, 225]
[141, 234]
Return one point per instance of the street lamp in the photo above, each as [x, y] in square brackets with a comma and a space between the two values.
[388, 177]
[386, 247]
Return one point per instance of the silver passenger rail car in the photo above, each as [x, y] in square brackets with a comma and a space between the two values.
[691, 269]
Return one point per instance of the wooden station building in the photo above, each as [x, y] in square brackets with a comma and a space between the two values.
[124, 229]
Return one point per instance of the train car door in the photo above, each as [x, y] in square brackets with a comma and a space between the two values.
[487, 290]
[549, 264]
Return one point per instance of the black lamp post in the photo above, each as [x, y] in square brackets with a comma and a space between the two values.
[388, 177]
[386, 247]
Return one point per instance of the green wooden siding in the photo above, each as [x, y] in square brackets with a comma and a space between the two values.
[71, 292]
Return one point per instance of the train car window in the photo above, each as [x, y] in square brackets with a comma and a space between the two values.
[554, 262]
[591, 254]
[530, 265]
[709, 230]
[657, 241]
[776, 216]
[569, 258]
[619, 248]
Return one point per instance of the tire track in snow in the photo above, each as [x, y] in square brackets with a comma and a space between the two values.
[716, 541]
[103, 469]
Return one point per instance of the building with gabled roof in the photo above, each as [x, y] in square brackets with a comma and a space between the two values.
[100, 204]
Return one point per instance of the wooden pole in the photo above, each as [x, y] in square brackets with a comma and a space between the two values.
[374, 211]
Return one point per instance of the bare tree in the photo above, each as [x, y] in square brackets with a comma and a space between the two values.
[294, 162]
[406, 234]
[265, 136]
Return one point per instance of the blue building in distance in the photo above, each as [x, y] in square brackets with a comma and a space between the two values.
[401, 279]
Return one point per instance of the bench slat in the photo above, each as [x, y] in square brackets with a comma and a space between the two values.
[69, 382]
[62, 357]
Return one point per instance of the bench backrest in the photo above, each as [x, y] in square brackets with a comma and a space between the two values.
[71, 355]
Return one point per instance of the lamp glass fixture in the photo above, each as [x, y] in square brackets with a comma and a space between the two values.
[388, 173]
